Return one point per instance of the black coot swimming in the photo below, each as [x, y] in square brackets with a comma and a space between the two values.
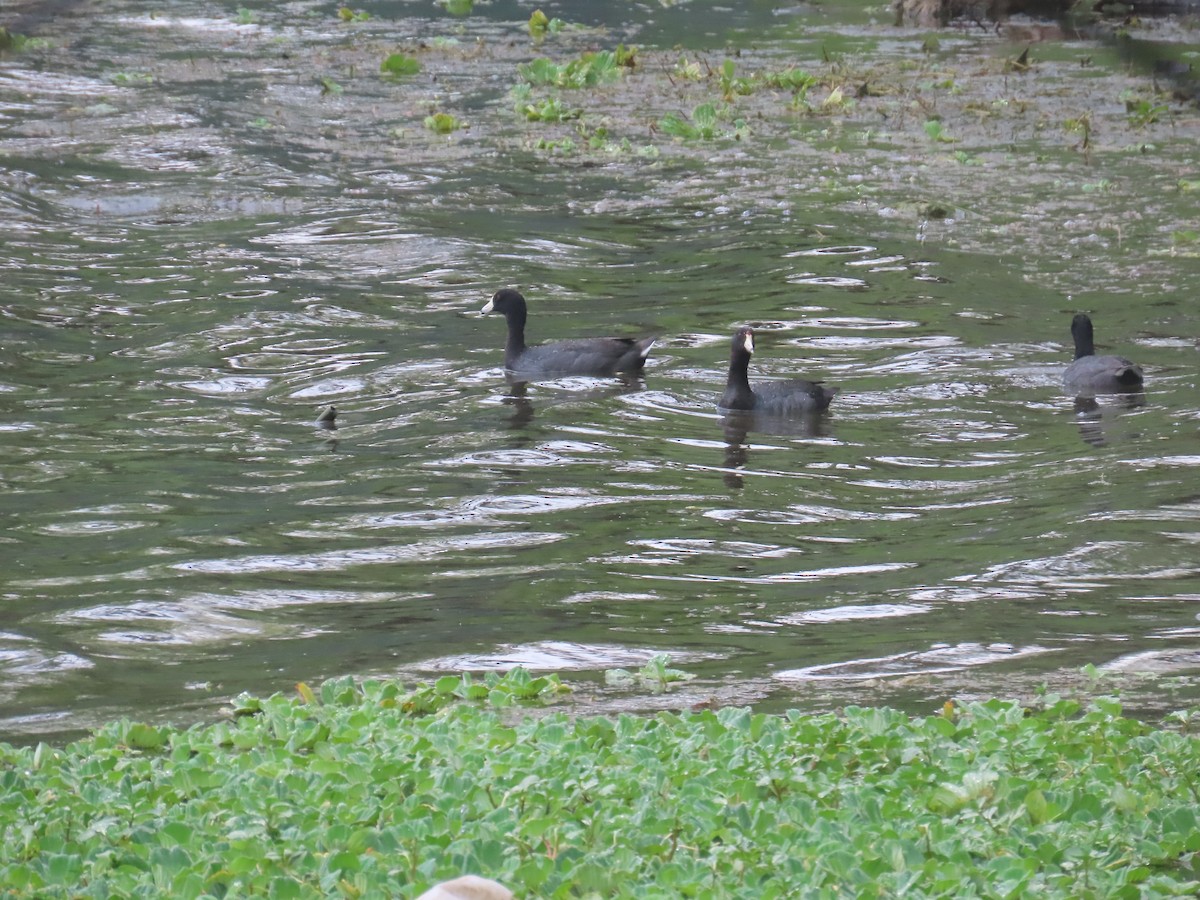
[599, 357]
[1092, 374]
[796, 397]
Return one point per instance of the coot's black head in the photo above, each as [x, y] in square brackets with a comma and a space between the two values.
[1081, 331]
[507, 302]
[743, 341]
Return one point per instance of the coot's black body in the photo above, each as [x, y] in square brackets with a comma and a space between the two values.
[1092, 374]
[600, 357]
[796, 397]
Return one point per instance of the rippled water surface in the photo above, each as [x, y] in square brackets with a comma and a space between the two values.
[205, 246]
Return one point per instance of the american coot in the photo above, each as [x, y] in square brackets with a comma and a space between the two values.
[585, 356]
[773, 398]
[1094, 374]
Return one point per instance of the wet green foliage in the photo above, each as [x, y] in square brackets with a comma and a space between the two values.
[10, 41]
[540, 25]
[794, 80]
[732, 85]
[1143, 111]
[346, 14]
[589, 70]
[703, 125]
[375, 790]
[459, 8]
[937, 132]
[546, 109]
[397, 65]
[656, 676]
[131, 79]
[442, 123]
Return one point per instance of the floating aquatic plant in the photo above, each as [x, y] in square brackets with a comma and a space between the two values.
[549, 109]
[836, 101]
[795, 80]
[346, 14]
[730, 84]
[442, 123]
[656, 675]
[459, 8]
[565, 146]
[1140, 111]
[688, 69]
[11, 41]
[703, 125]
[375, 789]
[935, 131]
[589, 70]
[131, 79]
[540, 25]
[599, 142]
[546, 109]
[397, 65]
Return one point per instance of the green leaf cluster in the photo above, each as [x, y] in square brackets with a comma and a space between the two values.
[11, 41]
[703, 125]
[549, 109]
[589, 70]
[541, 25]
[1142, 112]
[458, 8]
[792, 79]
[935, 131]
[546, 109]
[397, 65]
[374, 790]
[655, 676]
[442, 123]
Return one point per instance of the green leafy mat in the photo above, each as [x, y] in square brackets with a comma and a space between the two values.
[375, 790]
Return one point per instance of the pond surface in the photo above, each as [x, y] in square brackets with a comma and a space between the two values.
[217, 225]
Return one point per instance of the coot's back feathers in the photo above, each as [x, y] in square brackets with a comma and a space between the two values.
[600, 357]
[1090, 373]
[796, 397]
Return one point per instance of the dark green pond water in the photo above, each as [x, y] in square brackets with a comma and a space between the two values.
[204, 245]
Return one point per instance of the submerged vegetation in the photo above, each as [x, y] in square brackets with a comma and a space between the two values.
[372, 789]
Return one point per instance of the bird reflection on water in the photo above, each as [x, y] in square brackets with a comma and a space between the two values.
[737, 427]
[1089, 412]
